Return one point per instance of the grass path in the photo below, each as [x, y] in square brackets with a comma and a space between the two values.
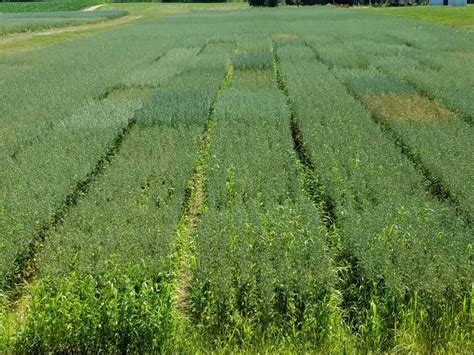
[187, 227]
[32, 40]
[456, 17]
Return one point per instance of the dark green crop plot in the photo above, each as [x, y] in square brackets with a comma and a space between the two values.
[260, 180]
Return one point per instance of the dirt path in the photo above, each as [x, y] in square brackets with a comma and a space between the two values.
[92, 8]
[32, 40]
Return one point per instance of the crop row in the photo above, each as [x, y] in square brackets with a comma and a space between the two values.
[398, 242]
[108, 266]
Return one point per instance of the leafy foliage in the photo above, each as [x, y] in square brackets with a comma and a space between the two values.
[113, 313]
[265, 3]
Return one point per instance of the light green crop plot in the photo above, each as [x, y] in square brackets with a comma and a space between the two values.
[27, 22]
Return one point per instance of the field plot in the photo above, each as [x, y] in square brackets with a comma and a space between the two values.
[25, 22]
[45, 6]
[272, 180]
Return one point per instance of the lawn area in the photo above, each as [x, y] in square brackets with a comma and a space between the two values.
[452, 16]
[215, 178]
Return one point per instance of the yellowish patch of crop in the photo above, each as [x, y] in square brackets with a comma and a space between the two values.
[464, 55]
[288, 37]
[407, 108]
[130, 93]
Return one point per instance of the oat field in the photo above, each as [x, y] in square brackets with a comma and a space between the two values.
[255, 180]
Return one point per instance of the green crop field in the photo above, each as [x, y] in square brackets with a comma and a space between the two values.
[297, 179]
[45, 6]
[27, 22]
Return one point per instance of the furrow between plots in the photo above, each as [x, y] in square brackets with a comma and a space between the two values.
[344, 261]
[185, 253]
[312, 179]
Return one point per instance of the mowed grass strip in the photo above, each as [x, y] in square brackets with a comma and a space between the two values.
[457, 17]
